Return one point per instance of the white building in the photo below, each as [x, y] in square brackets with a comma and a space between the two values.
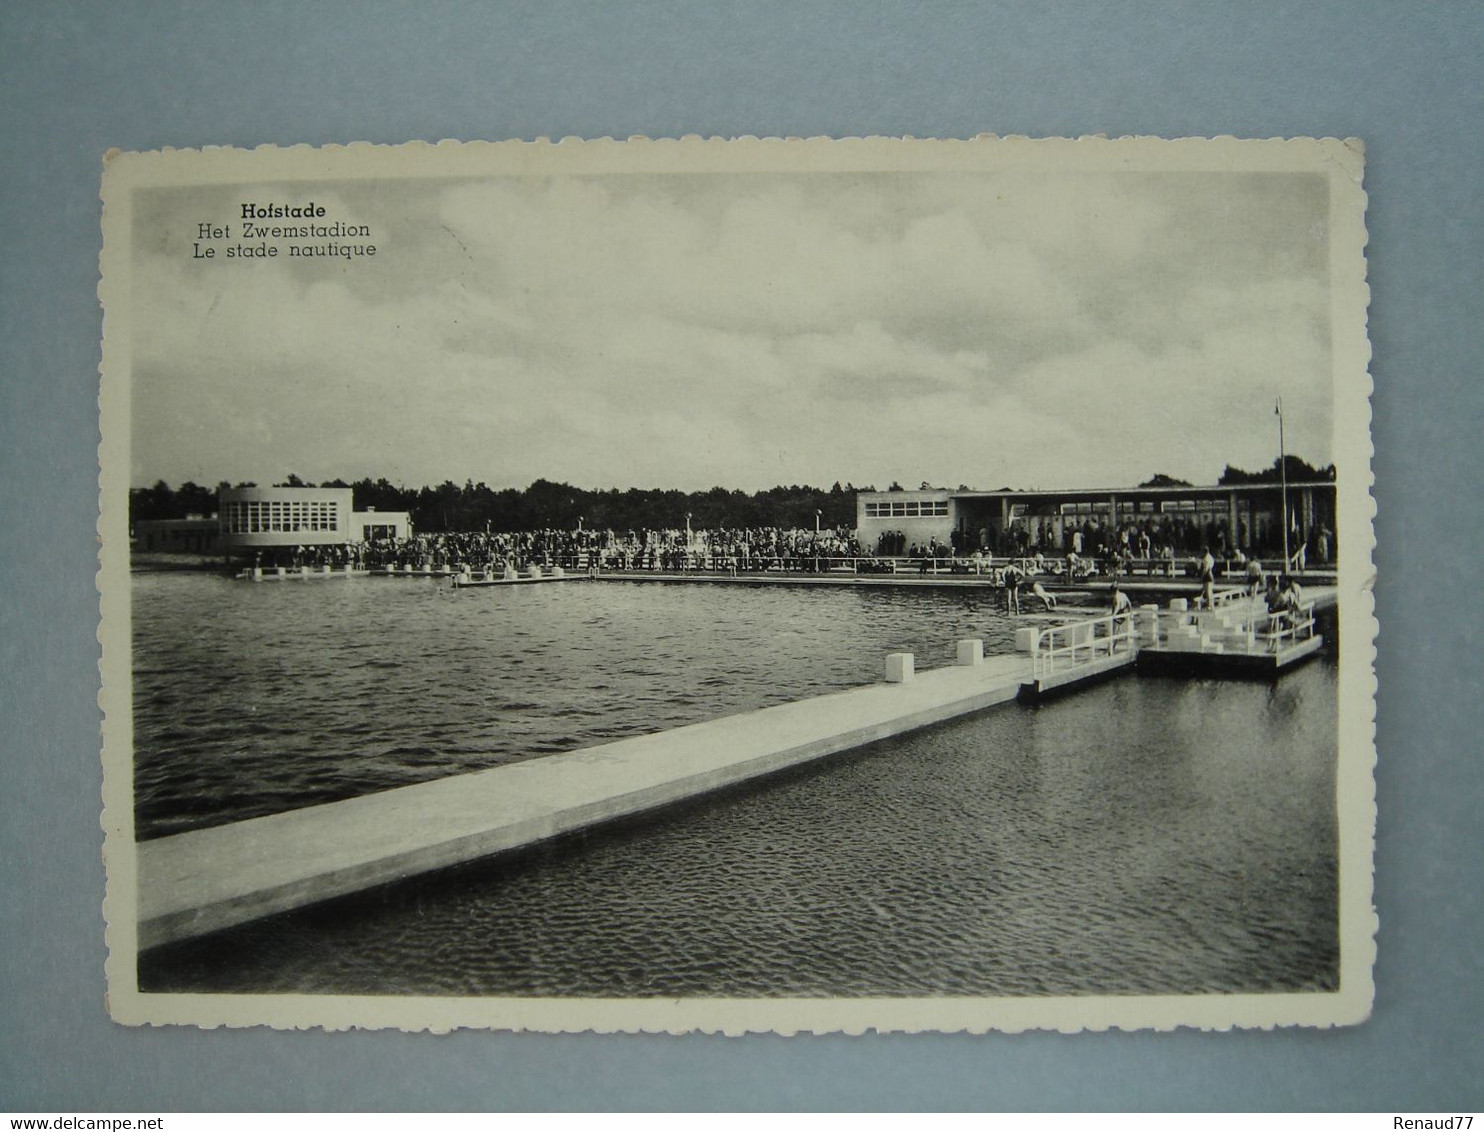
[254, 519]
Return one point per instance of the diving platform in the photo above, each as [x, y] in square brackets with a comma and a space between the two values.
[1237, 633]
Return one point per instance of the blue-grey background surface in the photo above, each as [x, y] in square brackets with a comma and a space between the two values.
[80, 78]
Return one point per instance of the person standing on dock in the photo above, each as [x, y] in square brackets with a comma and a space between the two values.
[1123, 614]
[1208, 578]
[1012, 576]
[1254, 577]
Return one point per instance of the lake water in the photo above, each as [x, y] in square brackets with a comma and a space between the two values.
[1148, 835]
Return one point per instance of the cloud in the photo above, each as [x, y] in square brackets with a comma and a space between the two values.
[691, 331]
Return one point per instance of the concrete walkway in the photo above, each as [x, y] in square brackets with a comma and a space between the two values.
[199, 882]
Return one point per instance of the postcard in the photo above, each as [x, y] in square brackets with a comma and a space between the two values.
[738, 585]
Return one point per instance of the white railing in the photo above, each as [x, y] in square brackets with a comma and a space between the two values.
[806, 563]
[1238, 624]
[1223, 599]
[1284, 627]
[1060, 648]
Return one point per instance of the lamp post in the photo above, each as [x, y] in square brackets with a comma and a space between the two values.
[817, 514]
[1283, 480]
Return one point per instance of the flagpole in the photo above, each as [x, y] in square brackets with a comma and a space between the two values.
[1283, 479]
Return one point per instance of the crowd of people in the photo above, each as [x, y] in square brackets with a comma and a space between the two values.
[1151, 538]
[736, 551]
[743, 550]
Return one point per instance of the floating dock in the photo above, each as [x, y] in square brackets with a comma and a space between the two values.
[466, 580]
[298, 573]
[1237, 634]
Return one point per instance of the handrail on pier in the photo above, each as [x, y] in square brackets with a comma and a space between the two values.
[1062, 647]
[1291, 625]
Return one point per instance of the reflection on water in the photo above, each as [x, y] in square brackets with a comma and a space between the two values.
[251, 699]
[1143, 836]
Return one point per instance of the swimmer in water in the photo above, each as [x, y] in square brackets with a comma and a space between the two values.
[1048, 600]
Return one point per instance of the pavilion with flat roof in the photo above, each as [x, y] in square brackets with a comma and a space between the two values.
[1224, 517]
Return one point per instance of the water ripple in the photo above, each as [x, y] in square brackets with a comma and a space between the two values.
[1144, 836]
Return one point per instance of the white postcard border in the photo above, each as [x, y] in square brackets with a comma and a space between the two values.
[1357, 685]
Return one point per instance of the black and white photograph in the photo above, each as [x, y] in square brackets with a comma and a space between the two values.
[738, 585]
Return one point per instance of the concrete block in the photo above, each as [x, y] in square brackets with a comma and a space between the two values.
[558, 572]
[1179, 604]
[533, 570]
[899, 667]
[970, 652]
[1025, 639]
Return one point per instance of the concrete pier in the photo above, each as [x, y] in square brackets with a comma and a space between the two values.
[199, 882]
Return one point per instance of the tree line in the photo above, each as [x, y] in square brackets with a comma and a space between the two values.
[545, 505]
[1296, 470]
[1292, 468]
[560, 506]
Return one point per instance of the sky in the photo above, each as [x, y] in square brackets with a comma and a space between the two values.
[743, 330]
